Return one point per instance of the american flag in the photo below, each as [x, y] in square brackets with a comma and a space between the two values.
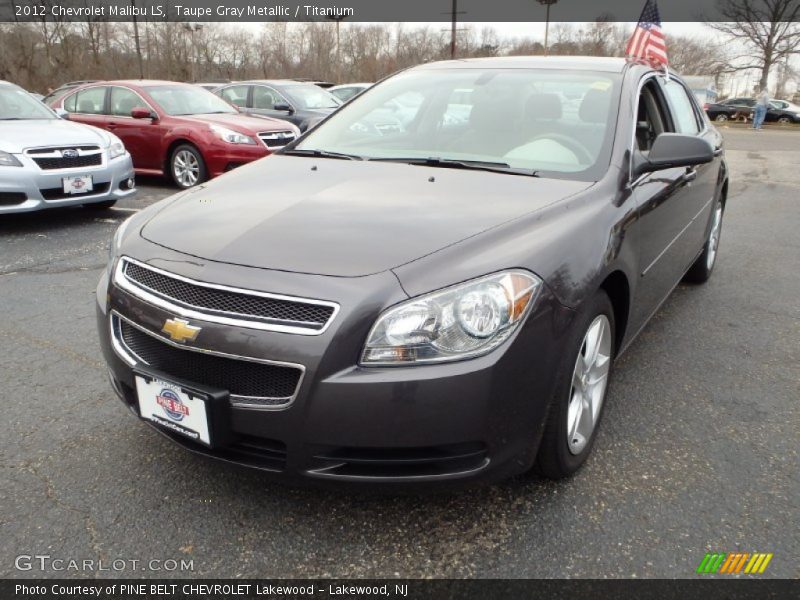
[647, 41]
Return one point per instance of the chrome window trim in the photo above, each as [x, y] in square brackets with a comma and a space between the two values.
[127, 355]
[124, 87]
[121, 281]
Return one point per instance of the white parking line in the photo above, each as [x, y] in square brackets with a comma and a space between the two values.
[126, 209]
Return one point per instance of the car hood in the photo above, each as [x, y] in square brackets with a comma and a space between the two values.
[239, 122]
[343, 218]
[16, 136]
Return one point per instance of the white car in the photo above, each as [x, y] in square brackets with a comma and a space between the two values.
[46, 161]
[346, 91]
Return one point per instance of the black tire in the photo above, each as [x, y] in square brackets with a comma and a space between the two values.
[555, 460]
[721, 118]
[105, 205]
[703, 267]
[187, 167]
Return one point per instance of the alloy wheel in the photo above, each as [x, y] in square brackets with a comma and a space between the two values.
[713, 238]
[721, 118]
[186, 168]
[589, 382]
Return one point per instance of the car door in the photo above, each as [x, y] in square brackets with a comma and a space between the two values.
[666, 204]
[266, 98]
[88, 106]
[142, 137]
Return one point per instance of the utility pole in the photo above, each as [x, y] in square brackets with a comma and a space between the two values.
[454, 19]
[547, 4]
[136, 37]
[193, 28]
[337, 69]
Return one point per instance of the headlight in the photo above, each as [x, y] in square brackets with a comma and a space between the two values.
[230, 136]
[8, 160]
[113, 247]
[115, 150]
[463, 321]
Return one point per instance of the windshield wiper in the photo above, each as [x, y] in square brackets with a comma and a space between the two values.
[475, 165]
[321, 154]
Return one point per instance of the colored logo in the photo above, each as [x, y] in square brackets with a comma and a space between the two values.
[70, 153]
[179, 330]
[734, 562]
[172, 405]
[77, 184]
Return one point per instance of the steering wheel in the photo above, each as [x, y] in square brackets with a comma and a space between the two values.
[584, 156]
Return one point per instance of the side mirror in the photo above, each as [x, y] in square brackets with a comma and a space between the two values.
[61, 113]
[283, 107]
[673, 150]
[142, 113]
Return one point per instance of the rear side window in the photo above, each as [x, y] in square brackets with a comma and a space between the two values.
[683, 112]
[70, 103]
[90, 101]
[265, 98]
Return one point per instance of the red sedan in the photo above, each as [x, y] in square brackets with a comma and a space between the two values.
[176, 129]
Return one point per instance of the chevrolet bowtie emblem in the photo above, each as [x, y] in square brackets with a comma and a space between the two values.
[180, 330]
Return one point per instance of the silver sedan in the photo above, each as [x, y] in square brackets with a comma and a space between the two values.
[46, 161]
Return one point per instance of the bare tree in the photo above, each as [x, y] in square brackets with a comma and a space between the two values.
[767, 28]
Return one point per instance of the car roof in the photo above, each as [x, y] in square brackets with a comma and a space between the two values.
[143, 82]
[577, 63]
[281, 82]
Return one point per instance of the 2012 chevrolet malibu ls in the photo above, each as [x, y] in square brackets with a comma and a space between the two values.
[437, 304]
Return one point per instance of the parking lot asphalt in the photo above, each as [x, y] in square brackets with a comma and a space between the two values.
[698, 450]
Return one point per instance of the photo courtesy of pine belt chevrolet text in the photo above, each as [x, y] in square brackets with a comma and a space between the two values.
[434, 303]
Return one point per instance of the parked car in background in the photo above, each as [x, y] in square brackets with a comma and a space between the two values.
[300, 103]
[62, 90]
[176, 129]
[730, 109]
[780, 111]
[211, 85]
[439, 305]
[47, 162]
[348, 90]
[319, 83]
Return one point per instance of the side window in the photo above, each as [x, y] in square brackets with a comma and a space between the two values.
[683, 113]
[123, 101]
[90, 101]
[266, 98]
[236, 95]
[70, 103]
[650, 117]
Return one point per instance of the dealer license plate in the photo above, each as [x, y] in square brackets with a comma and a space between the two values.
[78, 184]
[168, 405]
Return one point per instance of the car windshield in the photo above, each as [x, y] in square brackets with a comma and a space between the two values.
[311, 97]
[17, 104]
[179, 100]
[540, 121]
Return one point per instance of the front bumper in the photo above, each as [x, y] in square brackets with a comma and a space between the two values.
[221, 157]
[29, 188]
[468, 421]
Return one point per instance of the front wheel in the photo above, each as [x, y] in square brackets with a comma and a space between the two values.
[701, 270]
[575, 413]
[187, 166]
[784, 120]
[721, 118]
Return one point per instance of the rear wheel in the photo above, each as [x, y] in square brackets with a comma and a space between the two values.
[187, 166]
[784, 120]
[575, 413]
[106, 204]
[701, 270]
[721, 118]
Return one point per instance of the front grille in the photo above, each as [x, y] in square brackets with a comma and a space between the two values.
[298, 313]
[276, 139]
[248, 382]
[62, 148]
[12, 198]
[88, 160]
[58, 193]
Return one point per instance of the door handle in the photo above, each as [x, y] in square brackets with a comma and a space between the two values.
[112, 125]
[718, 151]
[690, 175]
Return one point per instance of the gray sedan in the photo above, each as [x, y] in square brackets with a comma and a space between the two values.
[46, 161]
